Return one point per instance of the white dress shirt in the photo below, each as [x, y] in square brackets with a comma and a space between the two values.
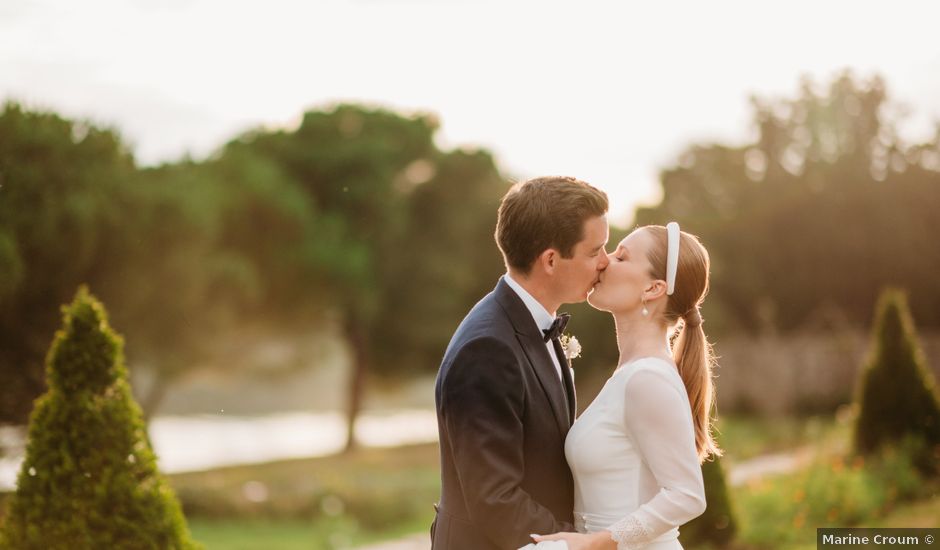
[543, 319]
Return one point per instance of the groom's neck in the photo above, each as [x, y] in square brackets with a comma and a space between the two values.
[538, 288]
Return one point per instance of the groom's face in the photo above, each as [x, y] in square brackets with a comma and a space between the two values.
[578, 274]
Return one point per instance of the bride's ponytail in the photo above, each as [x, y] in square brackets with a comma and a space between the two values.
[691, 350]
[695, 359]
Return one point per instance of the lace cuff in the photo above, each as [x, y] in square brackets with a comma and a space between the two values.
[630, 533]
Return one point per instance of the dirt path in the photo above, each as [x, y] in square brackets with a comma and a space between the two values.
[769, 464]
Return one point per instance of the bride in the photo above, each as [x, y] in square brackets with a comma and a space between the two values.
[636, 451]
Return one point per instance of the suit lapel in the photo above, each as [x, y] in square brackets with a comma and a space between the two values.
[568, 380]
[533, 344]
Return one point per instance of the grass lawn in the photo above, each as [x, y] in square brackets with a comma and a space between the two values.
[377, 494]
[296, 535]
[291, 534]
[260, 534]
[744, 437]
[382, 494]
[327, 502]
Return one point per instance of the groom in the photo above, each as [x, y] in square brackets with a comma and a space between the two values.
[504, 394]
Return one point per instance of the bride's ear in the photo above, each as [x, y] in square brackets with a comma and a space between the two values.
[655, 289]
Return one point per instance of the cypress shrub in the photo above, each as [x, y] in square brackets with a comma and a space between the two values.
[717, 526]
[897, 397]
[90, 478]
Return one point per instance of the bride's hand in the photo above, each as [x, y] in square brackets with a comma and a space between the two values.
[578, 541]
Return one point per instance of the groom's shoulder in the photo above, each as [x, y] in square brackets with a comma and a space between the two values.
[483, 348]
[486, 322]
[486, 318]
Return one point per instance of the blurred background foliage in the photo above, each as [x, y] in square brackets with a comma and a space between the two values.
[809, 221]
[356, 227]
[356, 223]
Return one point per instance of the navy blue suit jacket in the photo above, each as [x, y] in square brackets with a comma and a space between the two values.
[502, 415]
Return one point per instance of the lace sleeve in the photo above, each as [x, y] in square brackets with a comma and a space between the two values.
[659, 421]
[630, 533]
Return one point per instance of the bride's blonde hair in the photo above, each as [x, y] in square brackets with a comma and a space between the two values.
[691, 350]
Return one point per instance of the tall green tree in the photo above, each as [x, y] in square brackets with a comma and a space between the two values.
[826, 206]
[446, 262]
[356, 212]
[89, 479]
[897, 395]
[217, 244]
[61, 214]
[158, 243]
[397, 234]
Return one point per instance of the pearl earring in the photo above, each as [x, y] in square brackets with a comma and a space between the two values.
[645, 311]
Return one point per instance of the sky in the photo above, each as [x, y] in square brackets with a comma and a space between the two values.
[609, 92]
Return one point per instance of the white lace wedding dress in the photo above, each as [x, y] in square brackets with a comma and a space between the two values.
[632, 454]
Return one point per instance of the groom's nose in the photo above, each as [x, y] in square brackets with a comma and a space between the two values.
[603, 263]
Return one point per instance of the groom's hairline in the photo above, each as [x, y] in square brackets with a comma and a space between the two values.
[603, 204]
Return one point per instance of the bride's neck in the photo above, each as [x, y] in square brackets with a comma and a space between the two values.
[638, 336]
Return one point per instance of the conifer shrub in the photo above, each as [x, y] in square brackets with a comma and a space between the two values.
[90, 478]
[897, 395]
[717, 525]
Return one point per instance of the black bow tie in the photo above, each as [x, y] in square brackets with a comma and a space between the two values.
[557, 328]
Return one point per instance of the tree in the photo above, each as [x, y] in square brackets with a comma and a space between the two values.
[89, 479]
[75, 209]
[347, 161]
[398, 230]
[825, 207]
[356, 212]
[217, 242]
[897, 394]
[61, 210]
[446, 262]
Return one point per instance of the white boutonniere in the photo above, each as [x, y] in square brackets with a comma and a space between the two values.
[571, 346]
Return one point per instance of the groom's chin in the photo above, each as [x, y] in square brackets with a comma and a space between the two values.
[581, 297]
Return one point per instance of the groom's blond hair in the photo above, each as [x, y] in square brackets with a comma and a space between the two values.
[542, 213]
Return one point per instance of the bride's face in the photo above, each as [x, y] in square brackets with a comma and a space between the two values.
[622, 284]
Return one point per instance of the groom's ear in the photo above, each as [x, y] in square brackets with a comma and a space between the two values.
[547, 260]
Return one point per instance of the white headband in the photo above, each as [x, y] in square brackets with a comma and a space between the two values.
[672, 256]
